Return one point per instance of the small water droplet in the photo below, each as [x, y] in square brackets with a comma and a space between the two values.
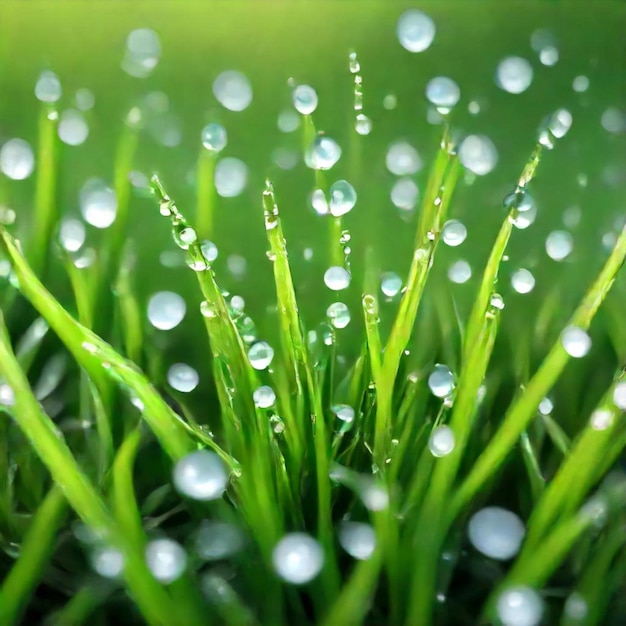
[363, 124]
[601, 419]
[460, 272]
[107, 561]
[260, 355]
[619, 396]
[559, 245]
[496, 301]
[166, 310]
[415, 30]
[304, 99]
[73, 129]
[338, 314]
[264, 397]
[478, 154]
[337, 278]
[523, 281]
[48, 87]
[166, 559]
[7, 396]
[323, 153]
[496, 532]
[443, 92]
[576, 341]
[201, 475]
[613, 120]
[17, 160]
[218, 540]
[404, 194]
[342, 198]
[514, 74]
[231, 177]
[576, 607]
[441, 442]
[546, 406]
[402, 159]
[390, 284]
[453, 233]
[344, 412]
[357, 539]
[98, 203]
[441, 381]
[353, 63]
[390, 102]
[298, 558]
[214, 137]
[233, 90]
[182, 377]
[519, 606]
[72, 234]
[580, 84]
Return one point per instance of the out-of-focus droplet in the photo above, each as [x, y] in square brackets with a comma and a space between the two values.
[166, 559]
[233, 90]
[17, 160]
[415, 30]
[496, 532]
[298, 558]
[201, 475]
[166, 310]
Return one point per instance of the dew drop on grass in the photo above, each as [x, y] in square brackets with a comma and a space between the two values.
[73, 129]
[478, 154]
[337, 278]
[342, 198]
[453, 233]
[443, 92]
[496, 532]
[559, 245]
[48, 87]
[218, 540]
[523, 281]
[209, 250]
[441, 381]
[363, 124]
[559, 123]
[404, 194]
[264, 397]
[323, 153]
[514, 74]
[415, 30]
[184, 236]
[580, 84]
[233, 90]
[166, 559]
[107, 562]
[298, 558]
[576, 342]
[143, 50]
[319, 202]
[338, 314]
[17, 160]
[7, 396]
[357, 539]
[619, 396]
[288, 121]
[84, 99]
[182, 377]
[601, 419]
[98, 203]
[374, 495]
[344, 412]
[166, 310]
[214, 137]
[402, 159]
[231, 177]
[519, 606]
[304, 99]
[260, 355]
[460, 272]
[546, 406]
[200, 475]
[441, 442]
[72, 234]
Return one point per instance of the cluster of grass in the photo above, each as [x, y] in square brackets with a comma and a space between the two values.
[68, 491]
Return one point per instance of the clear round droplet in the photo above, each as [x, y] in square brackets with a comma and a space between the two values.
[209, 250]
[182, 377]
[264, 397]
[201, 475]
[107, 562]
[218, 540]
[357, 539]
[559, 245]
[214, 137]
[143, 50]
[619, 396]
[7, 395]
[166, 310]
[441, 381]
[72, 234]
[73, 129]
[601, 419]
[519, 606]
[233, 90]
[460, 272]
[260, 355]
[496, 532]
[559, 123]
[323, 153]
[319, 202]
[546, 406]
[613, 120]
[344, 412]
[298, 558]
[85, 99]
[304, 99]
[549, 56]
[404, 194]
[390, 284]
[166, 559]
[338, 314]
[580, 84]
[48, 87]
[342, 198]
[453, 233]
[514, 74]
[478, 154]
[443, 92]
[363, 124]
[231, 177]
[17, 160]
[337, 278]
[575, 341]
[98, 203]
[441, 442]
[415, 30]
[523, 281]
[402, 159]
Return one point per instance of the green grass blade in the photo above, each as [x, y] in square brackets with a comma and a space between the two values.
[206, 193]
[82, 605]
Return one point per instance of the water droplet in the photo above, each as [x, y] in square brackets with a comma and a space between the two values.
[342, 198]
[373, 494]
[519, 606]
[390, 102]
[443, 92]
[460, 272]
[260, 355]
[98, 203]
[441, 441]
[184, 236]
[546, 406]
[73, 129]
[214, 137]
[344, 412]
[415, 30]
[559, 123]
[357, 539]
[580, 84]
[496, 301]
[576, 607]
[288, 121]
[441, 381]
[523, 281]
[237, 265]
[619, 396]
[72, 234]
[390, 284]
[363, 124]
[7, 396]
[404, 194]
[17, 160]
[337, 278]
[478, 154]
[182, 377]
[576, 342]
[166, 310]
[85, 99]
[613, 120]
[264, 397]
[549, 56]
[218, 540]
[496, 532]
[323, 153]
[231, 177]
[559, 245]
[209, 250]
[166, 559]
[201, 475]
[48, 87]
[601, 419]
[453, 233]
[143, 50]
[233, 90]
[298, 558]
[353, 62]
[514, 74]
[304, 99]
[572, 216]
[402, 159]
[338, 314]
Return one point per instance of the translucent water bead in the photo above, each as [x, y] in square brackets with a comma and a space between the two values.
[218, 540]
[201, 475]
[143, 50]
[443, 92]
[166, 310]
[357, 539]
[478, 154]
[17, 160]
[460, 272]
[559, 245]
[72, 234]
[73, 129]
[337, 278]
[496, 532]
[214, 137]
[415, 30]
[344, 412]
[342, 198]
[514, 74]
[575, 341]
[404, 194]
[166, 559]
[339, 314]
[619, 396]
[390, 284]
[523, 281]
[323, 153]
[453, 233]
[231, 177]
[298, 558]
[402, 159]
[260, 355]
[264, 397]
[304, 99]
[98, 203]
[107, 562]
[519, 606]
[233, 90]
[441, 381]
[182, 377]
[48, 87]
[441, 441]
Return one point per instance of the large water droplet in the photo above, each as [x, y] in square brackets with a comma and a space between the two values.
[72, 234]
[182, 377]
[619, 396]
[7, 395]
[559, 244]
[519, 606]
[575, 341]
[460, 272]
[17, 160]
[441, 381]
[390, 284]
[453, 233]
[478, 154]
[402, 159]
[443, 92]
[337, 278]
[98, 203]
[48, 87]
[107, 562]
[85, 99]
[264, 397]
[166, 310]
[304, 99]
[231, 177]
[201, 475]
[260, 355]
[441, 442]
[415, 30]
[559, 123]
[580, 84]
[523, 281]
[166, 559]
[233, 90]
[601, 419]
[363, 124]
[73, 129]
[338, 314]
[404, 194]
[218, 540]
[357, 539]
[496, 532]
[319, 202]
[143, 50]
[342, 198]
[323, 153]
[214, 137]
[344, 412]
[298, 558]
[514, 74]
